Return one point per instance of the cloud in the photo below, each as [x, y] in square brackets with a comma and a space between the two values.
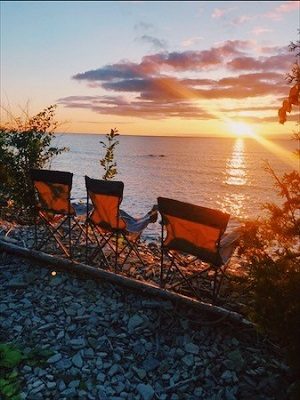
[142, 109]
[177, 84]
[283, 8]
[281, 62]
[241, 20]
[125, 70]
[155, 42]
[220, 12]
[191, 41]
[163, 97]
[258, 30]
[143, 26]
[177, 61]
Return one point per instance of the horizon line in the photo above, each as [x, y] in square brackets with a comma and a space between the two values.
[273, 136]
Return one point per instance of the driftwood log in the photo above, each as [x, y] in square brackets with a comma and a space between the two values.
[123, 281]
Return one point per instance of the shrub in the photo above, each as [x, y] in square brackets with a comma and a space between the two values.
[108, 161]
[271, 250]
[25, 143]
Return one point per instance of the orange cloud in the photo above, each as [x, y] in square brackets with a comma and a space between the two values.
[156, 89]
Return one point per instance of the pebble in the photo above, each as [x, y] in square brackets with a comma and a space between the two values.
[111, 344]
[191, 348]
[134, 322]
[146, 391]
[54, 358]
[77, 360]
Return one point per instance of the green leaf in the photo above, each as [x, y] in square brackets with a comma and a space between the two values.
[9, 356]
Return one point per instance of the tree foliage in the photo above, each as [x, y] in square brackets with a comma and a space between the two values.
[25, 143]
[271, 251]
[108, 161]
[292, 77]
[270, 248]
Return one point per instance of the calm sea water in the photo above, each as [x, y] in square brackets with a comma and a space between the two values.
[223, 173]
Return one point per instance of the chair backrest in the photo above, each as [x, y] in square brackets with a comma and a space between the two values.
[53, 189]
[106, 197]
[193, 229]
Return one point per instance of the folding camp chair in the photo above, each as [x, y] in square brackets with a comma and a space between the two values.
[111, 227]
[54, 210]
[194, 235]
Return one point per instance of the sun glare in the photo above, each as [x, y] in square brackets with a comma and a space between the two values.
[240, 129]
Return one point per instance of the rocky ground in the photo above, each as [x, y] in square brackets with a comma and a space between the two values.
[108, 343]
[234, 291]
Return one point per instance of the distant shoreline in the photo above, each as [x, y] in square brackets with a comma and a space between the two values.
[175, 136]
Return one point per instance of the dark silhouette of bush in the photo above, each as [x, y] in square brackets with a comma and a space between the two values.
[25, 143]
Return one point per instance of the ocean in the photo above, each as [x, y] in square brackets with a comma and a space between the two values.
[223, 173]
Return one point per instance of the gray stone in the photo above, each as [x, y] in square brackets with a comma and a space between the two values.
[146, 391]
[139, 349]
[93, 342]
[74, 384]
[77, 360]
[150, 363]
[47, 327]
[235, 360]
[64, 364]
[101, 377]
[3, 307]
[102, 395]
[37, 383]
[113, 370]
[141, 373]
[17, 283]
[89, 353]
[188, 360]
[198, 392]
[60, 335]
[38, 389]
[77, 343]
[61, 385]
[191, 348]
[54, 358]
[27, 368]
[230, 393]
[179, 352]
[227, 376]
[120, 387]
[134, 322]
[51, 385]
[69, 392]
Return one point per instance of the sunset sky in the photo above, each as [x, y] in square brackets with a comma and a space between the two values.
[150, 68]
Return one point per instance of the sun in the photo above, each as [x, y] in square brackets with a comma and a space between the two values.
[240, 129]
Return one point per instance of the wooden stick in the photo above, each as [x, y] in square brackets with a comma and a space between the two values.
[143, 287]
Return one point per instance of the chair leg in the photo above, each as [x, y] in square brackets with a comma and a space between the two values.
[161, 255]
[70, 237]
[117, 249]
[35, 230]
[86, 241]
[132, 247]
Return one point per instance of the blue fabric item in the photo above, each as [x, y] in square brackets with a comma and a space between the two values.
[137, 225]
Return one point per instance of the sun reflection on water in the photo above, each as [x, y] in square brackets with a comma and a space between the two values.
[235, 166]
[235, 178]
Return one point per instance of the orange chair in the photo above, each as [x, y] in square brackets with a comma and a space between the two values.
[109, 224]
[191, 233]
[53, 209]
